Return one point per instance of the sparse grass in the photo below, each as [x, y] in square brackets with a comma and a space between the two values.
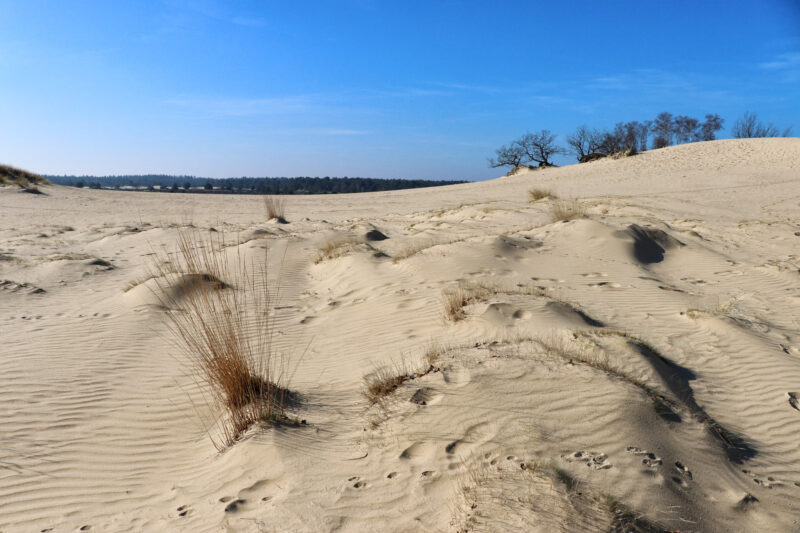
[221, 316]
[334, 248]
[535, 195]
[563, 210]
[455, 299]
[276, 208]
[413, 249]
[625, 519]
[383, 381]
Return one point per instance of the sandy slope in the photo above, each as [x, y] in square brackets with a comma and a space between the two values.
[100, 425]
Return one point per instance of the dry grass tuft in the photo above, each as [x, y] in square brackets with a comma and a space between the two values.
[383, 381]
[537, 194]
[276, 208]
[564, 210]
[220, 314]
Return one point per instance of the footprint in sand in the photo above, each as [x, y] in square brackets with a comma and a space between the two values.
[474, 435]
[595, 275]
[418, 450]
[426, 396]
[184, 510]
[683, 470]
[594, 460]
[456, 376]
[649, 459]
[605, 285]
[235, 505]
[793, 400]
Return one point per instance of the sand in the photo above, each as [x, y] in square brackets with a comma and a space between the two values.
[640, 362]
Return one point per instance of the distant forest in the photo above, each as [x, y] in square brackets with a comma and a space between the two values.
[299, 185]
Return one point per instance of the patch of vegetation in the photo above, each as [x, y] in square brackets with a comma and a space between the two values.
[534, 195]
[221, 316]
[22, 178]
[564, 210]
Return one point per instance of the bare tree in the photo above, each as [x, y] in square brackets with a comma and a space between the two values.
[540, 147]
[508, 156]
[748, 127]
[662, 128]
[684, 128]
[708, 129]
[584, 141]
[643, 134]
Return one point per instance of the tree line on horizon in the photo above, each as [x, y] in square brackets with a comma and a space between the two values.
[627, 138]
[245, 185]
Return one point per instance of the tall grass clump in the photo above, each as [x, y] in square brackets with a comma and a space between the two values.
[276, 208]
[219, 311]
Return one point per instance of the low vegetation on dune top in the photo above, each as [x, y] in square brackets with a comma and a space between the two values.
[16, 176]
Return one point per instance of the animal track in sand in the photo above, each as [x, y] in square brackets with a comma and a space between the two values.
[649, 458]
[184, 510]
[357, 483]
[769, 482]
[595, 460]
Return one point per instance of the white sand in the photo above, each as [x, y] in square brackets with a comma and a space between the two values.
[101, 426]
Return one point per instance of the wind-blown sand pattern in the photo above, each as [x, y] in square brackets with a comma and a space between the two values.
[635, 369]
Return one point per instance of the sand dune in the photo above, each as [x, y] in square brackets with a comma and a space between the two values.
[634, 369]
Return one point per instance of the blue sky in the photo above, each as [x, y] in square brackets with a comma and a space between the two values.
[386, 89]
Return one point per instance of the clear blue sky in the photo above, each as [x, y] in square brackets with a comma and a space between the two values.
[415, 89]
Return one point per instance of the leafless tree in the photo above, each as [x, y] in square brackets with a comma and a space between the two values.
[708, 129]
[540, 147]
[748, 127]
[584, 141]
[508, 156]
[662, 128]
[684, 128]
[643, 134]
